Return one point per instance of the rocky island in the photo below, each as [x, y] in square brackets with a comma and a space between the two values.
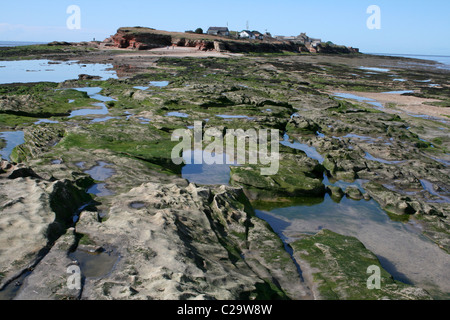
[87, 179]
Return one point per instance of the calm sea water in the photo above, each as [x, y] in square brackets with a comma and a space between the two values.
[18, 43]
[54, 71]
[445, 60]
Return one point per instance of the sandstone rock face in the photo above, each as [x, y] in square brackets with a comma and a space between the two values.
[172, 242]
[130, 38]
[219, 46]
[16, 104]
[187, 243]
[33, 213]
[146, 38]
[202, 45]
[37, 287]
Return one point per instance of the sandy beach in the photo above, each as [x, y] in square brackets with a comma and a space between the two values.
[177, 52]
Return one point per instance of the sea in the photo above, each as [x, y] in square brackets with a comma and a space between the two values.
[444, 60]
[18, 43]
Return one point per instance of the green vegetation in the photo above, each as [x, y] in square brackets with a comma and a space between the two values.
[26, 88]
[297, 176]
[145, 143]
[341, 263]
[84, 239]
[265, 291]
[36, 51]
[41, 100]
[437, 140]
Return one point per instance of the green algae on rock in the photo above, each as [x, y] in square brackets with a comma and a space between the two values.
[337, 265]
[297, 176]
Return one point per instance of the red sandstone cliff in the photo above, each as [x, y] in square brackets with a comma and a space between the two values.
[139, 38]
[146, 38]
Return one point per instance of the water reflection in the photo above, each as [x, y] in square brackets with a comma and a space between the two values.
[207, 174]
[12, 140]
[25, 71]
[402, 249]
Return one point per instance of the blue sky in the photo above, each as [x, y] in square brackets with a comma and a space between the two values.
[407, 26]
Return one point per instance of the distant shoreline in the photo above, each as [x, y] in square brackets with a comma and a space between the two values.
[19, 43]
[437, 58]
[409, 54]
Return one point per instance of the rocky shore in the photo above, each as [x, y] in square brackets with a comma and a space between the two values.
[100, 192]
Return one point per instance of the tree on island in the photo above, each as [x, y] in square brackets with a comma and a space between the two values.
[199, 31]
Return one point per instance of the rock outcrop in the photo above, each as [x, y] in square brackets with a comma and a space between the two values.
[176, 243]
[138, 38]
[33, 213]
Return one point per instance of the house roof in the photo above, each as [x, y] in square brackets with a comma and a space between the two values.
[218, 29]
[247, 31]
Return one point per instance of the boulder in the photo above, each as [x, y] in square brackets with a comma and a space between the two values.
[33, 214]
[88, 77]
[354, 193]
[336, 192]
[389, 200]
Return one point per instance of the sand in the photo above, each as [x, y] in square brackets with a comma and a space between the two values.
[178, 52]
[405, 103]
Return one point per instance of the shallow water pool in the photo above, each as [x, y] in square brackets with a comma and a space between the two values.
[207, 174]
[401, 248]
[12, 139]
[24, 71]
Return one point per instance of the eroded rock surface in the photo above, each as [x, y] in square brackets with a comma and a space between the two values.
[188, 243]
[33, 214]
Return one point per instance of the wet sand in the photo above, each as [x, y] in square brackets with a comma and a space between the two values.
[404, 103]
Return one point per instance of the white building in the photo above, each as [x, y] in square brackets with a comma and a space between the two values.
[246, 34]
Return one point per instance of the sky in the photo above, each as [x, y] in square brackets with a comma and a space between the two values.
[406, 26]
